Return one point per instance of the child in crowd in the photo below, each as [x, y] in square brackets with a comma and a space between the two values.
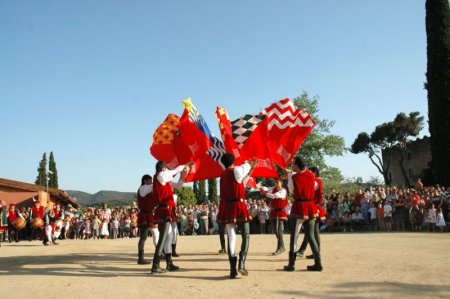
[96, 227]
[127, 227]
[440, 221]
[104, 230]
[380, 217]
[432, 218]
[347, 221]
[418, 220]
[387, 215]
[87, 229]
[115, 227]
[373, 216]
[357, 219]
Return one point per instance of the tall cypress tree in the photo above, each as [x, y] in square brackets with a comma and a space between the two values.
[41, 178]
[195, 189]
[438, 86]
[201, 191]
[53, 182]
[212, 190]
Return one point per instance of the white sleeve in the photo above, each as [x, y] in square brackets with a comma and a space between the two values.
[178, 184]
[145, 189]
[290, 182]
[241, 173]
[167, 176]
[280, 194]
[316, 186]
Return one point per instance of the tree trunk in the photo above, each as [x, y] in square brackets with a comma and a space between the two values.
[438, 86]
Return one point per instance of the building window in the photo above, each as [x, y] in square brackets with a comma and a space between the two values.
[410, 172]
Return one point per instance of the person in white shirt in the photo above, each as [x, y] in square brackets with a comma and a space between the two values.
[387, 211]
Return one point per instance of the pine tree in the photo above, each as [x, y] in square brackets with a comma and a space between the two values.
[53, 175]
[201, 191]
[41, 178]
[212, 190]
[438, 86]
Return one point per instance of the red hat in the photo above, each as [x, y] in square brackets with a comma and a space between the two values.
[37, 202]
[12, 204]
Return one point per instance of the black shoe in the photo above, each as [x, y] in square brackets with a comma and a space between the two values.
[315, 267]
[290, 267]
[310, 257]
[170, 266]
[233, 272]
[222, 251]
[141, 260]
[174, 250]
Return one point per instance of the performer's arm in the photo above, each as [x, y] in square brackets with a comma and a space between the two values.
[290, 182]
[280, 194]
[167, 175]
[242, 173]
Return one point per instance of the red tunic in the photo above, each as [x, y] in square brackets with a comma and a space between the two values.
[278, 205]
[12, 215]
[231, 196]
[318, 199]
[146, 207]
[304, 185]
[164, 201]
[38, 213]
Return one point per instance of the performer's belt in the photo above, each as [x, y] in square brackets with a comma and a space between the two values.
[277, 210]
[303, 200]
[148, 212]
[163, 207]
[234, 200]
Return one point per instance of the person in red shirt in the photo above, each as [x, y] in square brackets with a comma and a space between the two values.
[318, 200]
[13, 214]
[234, 211]
[37, 211]
[165, 206]
[302, 184]
[146, 206]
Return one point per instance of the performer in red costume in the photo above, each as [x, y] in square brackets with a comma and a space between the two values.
[146, 206]
[278, 214]
[37, 211]
[13, 214]
[235, 212]
[301, 184]
[163, 186]
[318, 200]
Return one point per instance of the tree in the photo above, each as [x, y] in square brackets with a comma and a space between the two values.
[53, 175]
[185, 196]
[438, 86]
[387, 136]
[212, 190]
[201, 191]
[195, 188]
[41, 178]
[320, 143]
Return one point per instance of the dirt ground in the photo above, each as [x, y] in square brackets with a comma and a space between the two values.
[370, 265]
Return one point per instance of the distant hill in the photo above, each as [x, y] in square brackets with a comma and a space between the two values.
[113, 198]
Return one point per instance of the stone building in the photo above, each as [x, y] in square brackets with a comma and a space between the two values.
[417, 163]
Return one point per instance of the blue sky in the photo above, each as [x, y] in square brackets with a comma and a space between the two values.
[91, 80]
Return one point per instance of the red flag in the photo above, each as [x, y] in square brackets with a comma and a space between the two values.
[287, 128]
[226, 133]
[250, 134]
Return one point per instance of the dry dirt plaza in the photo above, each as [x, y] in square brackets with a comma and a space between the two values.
[370, 265]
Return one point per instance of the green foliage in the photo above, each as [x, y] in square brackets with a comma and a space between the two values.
[321, 142]
[386, 136]
[53, 182]
[41, 178]
[186, 196]
[438, 86]
[212, 190]
[201, 198]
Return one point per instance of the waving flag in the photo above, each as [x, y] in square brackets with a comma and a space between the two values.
[250, 134]
[167, 145]
[226, 133]
[205, 149]
[287, 128]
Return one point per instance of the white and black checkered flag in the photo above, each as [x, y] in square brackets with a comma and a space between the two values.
[243, 127]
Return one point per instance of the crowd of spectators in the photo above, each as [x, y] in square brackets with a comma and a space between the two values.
[374, 209]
